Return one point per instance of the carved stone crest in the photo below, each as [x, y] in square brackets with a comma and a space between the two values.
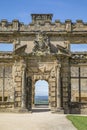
[41, 44]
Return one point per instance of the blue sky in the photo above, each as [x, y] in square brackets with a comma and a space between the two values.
[62, 9]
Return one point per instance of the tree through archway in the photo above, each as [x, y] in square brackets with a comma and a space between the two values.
[41, 92]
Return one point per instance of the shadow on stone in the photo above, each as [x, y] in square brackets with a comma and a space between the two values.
[40, 108]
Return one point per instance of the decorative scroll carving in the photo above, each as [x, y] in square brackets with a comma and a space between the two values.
[52, 74]
[41, 44]
[79, 58]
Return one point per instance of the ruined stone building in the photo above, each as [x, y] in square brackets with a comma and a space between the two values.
[42, 52]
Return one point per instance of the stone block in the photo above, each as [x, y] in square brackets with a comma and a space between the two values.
[19, 84]
[19, 89]
[19, 104]
[18, 93]
[53, 99]
[18, 79]
[64, 79]
[53, 89]
[53, 104]
[53, 84]
[18, 68]
[65, 99]
[19, 73]
[18, 99]
[53, 94]
[52, 79]
[65, 94]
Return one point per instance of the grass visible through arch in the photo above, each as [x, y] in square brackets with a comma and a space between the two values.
[80, 122]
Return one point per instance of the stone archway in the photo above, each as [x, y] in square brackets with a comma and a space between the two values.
[50, 72]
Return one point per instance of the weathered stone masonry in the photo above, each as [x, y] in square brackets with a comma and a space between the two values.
[41, 52]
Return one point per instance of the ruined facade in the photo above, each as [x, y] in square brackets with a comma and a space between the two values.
[42, 52]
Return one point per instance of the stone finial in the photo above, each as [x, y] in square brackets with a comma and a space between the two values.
[15, 24]
[79, 21]
[4, 22]
[41, 18]
[68, 25]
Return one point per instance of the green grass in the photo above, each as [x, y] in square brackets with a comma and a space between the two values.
[80, 122]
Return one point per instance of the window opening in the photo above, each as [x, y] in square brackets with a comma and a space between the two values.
[78, 47]
[6, 47]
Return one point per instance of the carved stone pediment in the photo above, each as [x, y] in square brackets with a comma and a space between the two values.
[41, 44]
[20, 50]
[63, 51]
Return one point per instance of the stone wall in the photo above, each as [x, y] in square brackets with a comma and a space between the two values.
[18, 78]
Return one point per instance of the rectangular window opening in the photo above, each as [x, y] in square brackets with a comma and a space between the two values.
[80, 47]
[7, 47]
[79, 84]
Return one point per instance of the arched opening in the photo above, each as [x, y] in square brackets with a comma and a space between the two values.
[41, 93]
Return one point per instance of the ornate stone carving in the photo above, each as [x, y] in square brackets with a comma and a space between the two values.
[20, 50]
[16, 43]
[63, 50]
[77, 58]
[41, 44]
[52, 72]
[41, 18]
[42, 68]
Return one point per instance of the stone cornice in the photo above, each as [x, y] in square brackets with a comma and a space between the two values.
[5, 55]
[78, 57]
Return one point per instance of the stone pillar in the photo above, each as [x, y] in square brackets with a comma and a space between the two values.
[52, 83]
[65, 73]
[33, 94]
[19, 73]
[3, 84]
[58, 88]
[23, 104]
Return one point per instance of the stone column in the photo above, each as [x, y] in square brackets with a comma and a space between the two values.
[3, 84]
[58, 88]
[33, 94]
[23, 104]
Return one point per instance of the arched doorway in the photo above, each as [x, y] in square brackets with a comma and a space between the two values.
[41, 97]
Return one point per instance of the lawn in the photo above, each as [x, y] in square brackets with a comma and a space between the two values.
[80, 122]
